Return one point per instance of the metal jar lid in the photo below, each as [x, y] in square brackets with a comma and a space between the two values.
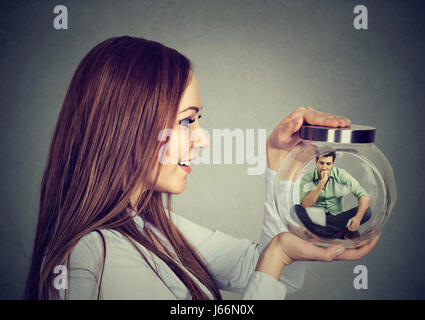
[352, 134]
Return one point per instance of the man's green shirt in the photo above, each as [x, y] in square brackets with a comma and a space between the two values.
[340, 183]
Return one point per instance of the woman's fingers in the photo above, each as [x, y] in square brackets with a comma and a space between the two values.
[311, 252]
[285, 135]
[286, 130]
[358, 253]
[315, 117]
[299, 249]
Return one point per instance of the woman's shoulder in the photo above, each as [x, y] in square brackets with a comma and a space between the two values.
[96, 238]
[94, 242]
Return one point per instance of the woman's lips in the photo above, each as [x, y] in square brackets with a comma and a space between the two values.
[185, 168]
[185, 164]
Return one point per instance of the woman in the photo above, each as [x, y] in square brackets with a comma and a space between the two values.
[111, 159]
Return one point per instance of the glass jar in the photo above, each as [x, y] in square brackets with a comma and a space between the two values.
[332, 178]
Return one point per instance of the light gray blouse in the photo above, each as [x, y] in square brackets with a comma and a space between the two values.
[231, 262]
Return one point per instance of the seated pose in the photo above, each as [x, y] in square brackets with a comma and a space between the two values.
[321, 196]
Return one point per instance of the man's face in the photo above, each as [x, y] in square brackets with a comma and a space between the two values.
[324, 164]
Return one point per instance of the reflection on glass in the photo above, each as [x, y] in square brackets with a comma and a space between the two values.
[322, 193]
[335, 193]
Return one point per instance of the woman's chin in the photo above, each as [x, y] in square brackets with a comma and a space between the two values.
[180, 190]
[176, 189]
[174, 184]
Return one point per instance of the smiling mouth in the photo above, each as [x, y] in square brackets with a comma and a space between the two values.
[185, 163]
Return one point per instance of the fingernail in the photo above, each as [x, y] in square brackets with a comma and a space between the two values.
[339, 251]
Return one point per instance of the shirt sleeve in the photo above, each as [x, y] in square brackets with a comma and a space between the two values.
[232, 261]
[354, 186]
[293, 274]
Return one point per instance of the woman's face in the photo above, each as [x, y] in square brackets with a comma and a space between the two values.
[186, 139]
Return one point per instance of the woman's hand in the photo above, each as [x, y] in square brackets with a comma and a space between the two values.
[285, 135]
[298, 249]
[286, 245]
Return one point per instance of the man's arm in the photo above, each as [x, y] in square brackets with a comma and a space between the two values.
[360, 194]
[362, 207]
[310, 198]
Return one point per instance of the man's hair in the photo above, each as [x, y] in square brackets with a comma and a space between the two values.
[329, 154]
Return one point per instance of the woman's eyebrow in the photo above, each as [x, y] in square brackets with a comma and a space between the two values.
[191, 108]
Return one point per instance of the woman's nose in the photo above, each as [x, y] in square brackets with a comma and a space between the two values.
[200, 139]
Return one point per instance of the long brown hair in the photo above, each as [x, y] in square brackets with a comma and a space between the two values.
[123, 93]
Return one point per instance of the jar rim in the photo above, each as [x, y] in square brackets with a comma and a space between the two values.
[352, 134]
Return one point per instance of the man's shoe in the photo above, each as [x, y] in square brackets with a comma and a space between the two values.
[351, 235]
[341, 235]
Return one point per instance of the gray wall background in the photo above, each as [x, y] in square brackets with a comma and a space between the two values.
[255, 62]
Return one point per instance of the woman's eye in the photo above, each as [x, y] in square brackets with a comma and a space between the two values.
[186, 122]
